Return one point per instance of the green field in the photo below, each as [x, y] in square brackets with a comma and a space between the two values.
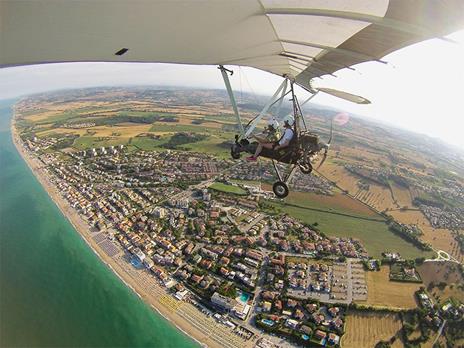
[175, 127]
[374, 235]
[85, 142]
[337, 204]
[149, 144]
[213, 145]
[218, 186]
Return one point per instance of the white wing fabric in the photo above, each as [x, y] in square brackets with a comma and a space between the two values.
[301, 38]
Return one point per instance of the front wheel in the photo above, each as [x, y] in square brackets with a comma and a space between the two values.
[235, 152]
[280, 189]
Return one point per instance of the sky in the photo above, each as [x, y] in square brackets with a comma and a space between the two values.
[420, 89]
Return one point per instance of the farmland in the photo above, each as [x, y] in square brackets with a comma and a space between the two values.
[439, 238]
[454, 292]
[401, 195]
[385, 293]
[390, 200]
[366, 329]
[338, 203]
[378, 197]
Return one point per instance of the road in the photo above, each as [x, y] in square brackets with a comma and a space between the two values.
[443, 256]
[440, 330]
[247, 227]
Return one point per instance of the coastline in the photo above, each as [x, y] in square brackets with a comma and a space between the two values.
[184, 316]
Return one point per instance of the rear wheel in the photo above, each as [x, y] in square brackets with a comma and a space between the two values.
[306, 168]
[305, 163]
[280, 189]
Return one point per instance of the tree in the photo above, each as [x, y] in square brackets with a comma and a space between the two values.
[420, 260]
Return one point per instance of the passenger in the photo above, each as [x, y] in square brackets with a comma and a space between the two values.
[270, 134]
[282, 143]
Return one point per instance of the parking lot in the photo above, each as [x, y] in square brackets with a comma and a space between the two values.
[359, 285]
[339, 281]
[349, 281]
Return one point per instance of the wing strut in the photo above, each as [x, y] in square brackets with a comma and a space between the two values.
[224, 72]
[275, 98]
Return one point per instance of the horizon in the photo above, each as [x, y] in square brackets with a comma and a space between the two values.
[397, 90]
[251, 95]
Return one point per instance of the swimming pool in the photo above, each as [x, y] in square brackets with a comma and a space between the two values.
[136, 262]
[244, 297]
[268, 322]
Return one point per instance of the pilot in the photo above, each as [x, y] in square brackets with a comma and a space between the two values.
[283, 142]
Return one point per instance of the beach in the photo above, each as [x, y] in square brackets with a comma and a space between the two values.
[183, 315]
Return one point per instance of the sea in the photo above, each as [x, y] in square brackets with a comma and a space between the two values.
[54, 291]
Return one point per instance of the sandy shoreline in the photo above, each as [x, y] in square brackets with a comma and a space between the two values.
[152, 294]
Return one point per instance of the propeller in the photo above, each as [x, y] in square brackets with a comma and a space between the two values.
[326, 146]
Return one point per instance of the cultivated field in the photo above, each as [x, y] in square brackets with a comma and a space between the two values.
[337, 203]
[439, 238]
[383, 292]
[366, 329]
[340, 176]
[377, 196]
[194, 118]
[401, 195]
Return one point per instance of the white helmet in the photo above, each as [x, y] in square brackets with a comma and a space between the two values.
[273, 122]
[289, 119]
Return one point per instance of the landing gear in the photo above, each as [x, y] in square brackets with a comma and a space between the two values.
[280, 189]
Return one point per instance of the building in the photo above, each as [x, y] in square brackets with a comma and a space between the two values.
[291, 323]
[159, 212]
[148, 263]
[223, 302]
[333, 339]
[139, 253]
[241, 310]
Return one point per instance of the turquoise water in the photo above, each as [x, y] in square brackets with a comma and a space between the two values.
[54, 291]
[268, 322]
[244, 297]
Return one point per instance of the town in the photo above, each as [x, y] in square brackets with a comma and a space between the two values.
[205, 236]
[219, 249]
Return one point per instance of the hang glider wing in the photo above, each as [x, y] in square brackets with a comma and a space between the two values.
[301, 38]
